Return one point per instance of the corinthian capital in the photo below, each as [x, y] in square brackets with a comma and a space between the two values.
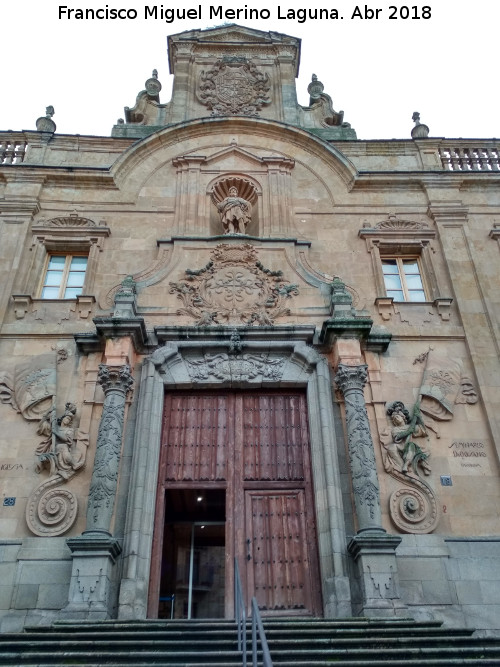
[115, 377]
[351, 377]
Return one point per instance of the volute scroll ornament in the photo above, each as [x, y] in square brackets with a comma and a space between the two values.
[52, 511]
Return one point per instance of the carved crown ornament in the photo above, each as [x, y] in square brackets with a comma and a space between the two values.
[234, 86]
[234, 288]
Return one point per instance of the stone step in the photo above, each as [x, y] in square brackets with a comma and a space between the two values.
[290, 658]
[50, 642]
[274, 634]
[292, 642]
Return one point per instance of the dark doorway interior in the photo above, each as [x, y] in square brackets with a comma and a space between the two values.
[192, 583]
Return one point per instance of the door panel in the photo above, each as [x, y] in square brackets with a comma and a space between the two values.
[274, 436]
[254, 446]
[196, 436]
[278, 568]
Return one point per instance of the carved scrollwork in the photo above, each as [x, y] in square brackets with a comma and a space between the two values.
[414, 510]
[235, 368]
[406, 450]
[234, 288]
[51, 511]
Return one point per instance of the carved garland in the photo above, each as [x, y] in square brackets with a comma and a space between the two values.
[234, 288]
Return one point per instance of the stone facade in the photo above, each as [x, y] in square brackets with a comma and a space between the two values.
[237, 240]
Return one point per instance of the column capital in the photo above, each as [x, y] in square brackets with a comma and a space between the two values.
[350, 378]
[116, 378]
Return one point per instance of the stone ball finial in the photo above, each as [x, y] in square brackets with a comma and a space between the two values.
[153, 86]
[420, 131]
[315, 88]
[45, 123]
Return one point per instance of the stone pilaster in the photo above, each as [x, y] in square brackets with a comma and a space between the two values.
[372, 549]
[91, 594]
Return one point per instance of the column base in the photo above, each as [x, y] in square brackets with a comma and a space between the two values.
[91, 595]
[374, 552]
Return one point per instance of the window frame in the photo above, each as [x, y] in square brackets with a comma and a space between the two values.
[63, 285]
[395, 237]
[405, 289]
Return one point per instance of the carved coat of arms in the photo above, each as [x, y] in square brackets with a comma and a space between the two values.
[234, 288]
[234, 88]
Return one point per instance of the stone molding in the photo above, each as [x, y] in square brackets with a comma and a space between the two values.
[167, 368]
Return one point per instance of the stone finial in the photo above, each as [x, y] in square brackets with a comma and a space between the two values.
[125, 299]
[153, 86]
[45, 123]
[315, 88]
[420, 131]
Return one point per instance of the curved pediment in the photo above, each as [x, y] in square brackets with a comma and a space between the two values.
[144, 157]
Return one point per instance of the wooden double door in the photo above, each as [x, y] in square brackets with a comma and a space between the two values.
[241, 459]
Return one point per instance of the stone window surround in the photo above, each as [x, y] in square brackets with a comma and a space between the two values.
[75, 236]
[167, 369]
[408, 241]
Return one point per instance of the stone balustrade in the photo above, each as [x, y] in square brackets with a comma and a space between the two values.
[13, 147]
[464, 156]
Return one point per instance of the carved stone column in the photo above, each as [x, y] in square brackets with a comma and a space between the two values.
[372, 548]
[351, 380]
[92, 587]
[116, 383]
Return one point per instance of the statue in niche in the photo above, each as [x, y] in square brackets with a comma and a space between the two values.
[235, 213]
[402, 454]
[58, 449]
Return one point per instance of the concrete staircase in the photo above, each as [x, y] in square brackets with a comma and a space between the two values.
[292, 642]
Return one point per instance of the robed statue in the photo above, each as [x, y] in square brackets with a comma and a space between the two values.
[235, 213]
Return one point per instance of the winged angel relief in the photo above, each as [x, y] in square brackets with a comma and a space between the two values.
[234, 288]
[406, 448]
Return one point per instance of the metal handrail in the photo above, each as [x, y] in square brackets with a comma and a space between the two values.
[258, 626]
[240, 614]
[258, 632]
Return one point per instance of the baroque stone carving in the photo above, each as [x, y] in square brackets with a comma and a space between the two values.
[116, 383]
[73, 220]
[351, 380]
[234, 86]
[235, 213]
[405, 448]
[395, 224]
[234, 288]
[235, 368]
[52, 511]
[31, 391]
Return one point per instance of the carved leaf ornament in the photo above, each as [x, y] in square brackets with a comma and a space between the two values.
[234, 288]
